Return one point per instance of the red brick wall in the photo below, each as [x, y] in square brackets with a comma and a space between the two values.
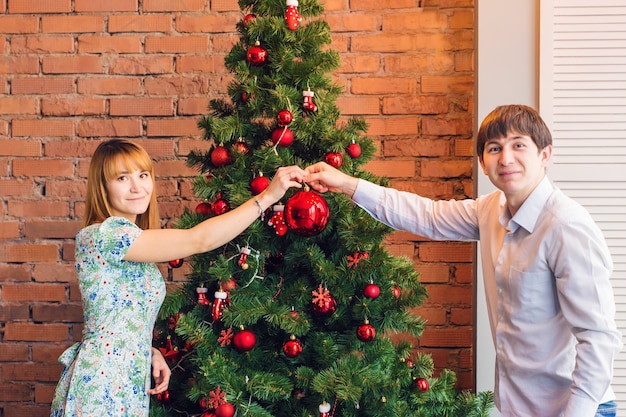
[74, 72]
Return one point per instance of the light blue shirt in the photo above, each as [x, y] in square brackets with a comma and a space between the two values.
[550, 303]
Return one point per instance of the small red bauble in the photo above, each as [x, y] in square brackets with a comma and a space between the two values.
[204, 209]
[220, 206]
[248, 20]
[244, 341]
[354, 150]
[225, 410]
[325, 308]
[421, 384]
[396, 291]
[221, 156]
[282, 136]
[284, 117]
[366, 332]
[307, 213]
[257, 55]
[334, 159]
[176, 263]
[259, 184]
[371, 291]
[292, 347]
[241, 147]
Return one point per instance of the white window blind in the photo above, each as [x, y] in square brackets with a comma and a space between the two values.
[583, 99]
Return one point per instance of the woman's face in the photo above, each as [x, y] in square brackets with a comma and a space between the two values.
[129, 192]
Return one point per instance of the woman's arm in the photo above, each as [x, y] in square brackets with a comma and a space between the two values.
[166, 244]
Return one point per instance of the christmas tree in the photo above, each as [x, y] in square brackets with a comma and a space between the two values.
[292, 317]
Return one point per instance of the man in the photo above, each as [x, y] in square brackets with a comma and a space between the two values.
[546, 268]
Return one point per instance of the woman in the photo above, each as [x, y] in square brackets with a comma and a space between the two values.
[108, 372]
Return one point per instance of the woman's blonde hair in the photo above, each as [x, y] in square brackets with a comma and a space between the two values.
[104, 167]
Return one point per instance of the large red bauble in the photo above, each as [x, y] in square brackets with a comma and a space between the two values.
[204, 208]
[307, 213]
[225, 410]
[354, 150]
[244, 341]
[284, 117]
[221, 156]
[334, 159]
[259, 184]
[371, 291]
[283, 136]
[366, 332]
[176, 263]
[292, 347]
[326, 308]
[257, 55]
[421, 384]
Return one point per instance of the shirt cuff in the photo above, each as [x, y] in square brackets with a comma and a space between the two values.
[367, 195]
[580, 407]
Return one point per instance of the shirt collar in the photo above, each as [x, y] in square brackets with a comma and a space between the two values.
[529, 212]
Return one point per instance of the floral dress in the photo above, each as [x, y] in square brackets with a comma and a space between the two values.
[108, 372]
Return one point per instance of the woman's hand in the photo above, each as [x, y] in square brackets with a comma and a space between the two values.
[160, 372]
[322, 177]
[285, 178]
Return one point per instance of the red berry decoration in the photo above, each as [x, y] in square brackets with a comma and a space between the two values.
[176, 263]
[366, 332]
[248, 20]
[204, 209]
[334, 159]
[307, 213]
[284, 117]
[354, 150]
[257, 55]
[282, 136]
[220, 206]
[225, 410]
[221, 156]
[421, 384]
[292, 347]
[259, 184]
[244, 341]
[372, 291]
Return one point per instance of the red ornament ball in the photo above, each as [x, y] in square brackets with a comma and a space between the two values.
[282, 136]
[284, 117]
[396, 291]
[221, 156]
[241, 147]
[292, 347]
[248, 20]
[325, 308]
[371, 291]
[220, 206]
[366, 332]
[244, 341]
[257, 55]
[204, 209]
[334, 159]
[281, 229]
[259, 184]
[354, 150]
[421, 384]
[176, 263]
[307, 213]
[225, 410]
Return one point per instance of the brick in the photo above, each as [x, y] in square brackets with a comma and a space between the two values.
[9, 230]
[51, 229]
[44, 393]
[14, 272]
[82, 6]
[13, 311]
[42, 85]
[382, 43]
[415, 105]
[19, 24]
[37, 7]
[72, 65]
[43, 128]
[174, 5]
[446, 169]
[201, 64]
[38, 208]
[32, 371]
[20, 147]
[12, 188]
[73, 106]
[109, 44]
[356, 5]
[417, 147]
[53, 313]
[54, 272]
[173, 127]
[182, 85]
[48, 352]
[142, 65]
[16, 392]
[358, 105]
[110, 127]
[140, 23]
[109, 85]
[176, 44]
[383, 85]
[19, 65]
[42, 167]
[28, 253]
[19, 105]
[213, 23]
[72, 24]
[13, 352]
[392, 168]
[447, 337]
[223, 6]
[33, 292]
[447, 127]
[141, 106]
[42, 45]
[360, 22]
[193, 105]
[446, 252]
[417, 21]
[26, 410]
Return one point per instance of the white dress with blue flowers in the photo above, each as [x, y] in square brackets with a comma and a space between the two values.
[108, 373]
